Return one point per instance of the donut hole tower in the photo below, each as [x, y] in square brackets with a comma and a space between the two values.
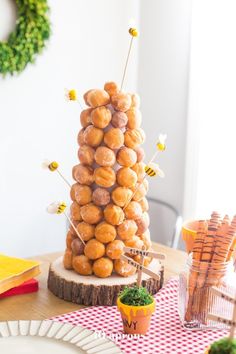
[109, 209]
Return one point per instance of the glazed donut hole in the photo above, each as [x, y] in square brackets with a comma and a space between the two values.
[139, 169]
[145, 237]
[111, 88]
[134, 242]
[127, 229]
[104, 177]
[69, 238]
[80, 137]
[121, 196]
[82, 265]
[114, 138]
[123, 268]
[133, 138]
[77, 247]
[93, 136]
[126, 177]
[105, 232]
[83, 174]
[146, 184]
[132, 211]
[135, 100]
[139, 192]
[86, 96]
[114, 249]
[103, 267]
[144, 204]
[121, 101]
[85, 118]
[140, 154]
[86, 231]
[126, 157]
[75, 211]
[113, 214]
[119, 120]
[142, 223]
[104, 156]
[101, 117]
[91, 213]
[94, 249]
[86, 154]
[134, 118]
[67, 259]
[96, 98]
[101, 196]
[72, 191]
[83, 194]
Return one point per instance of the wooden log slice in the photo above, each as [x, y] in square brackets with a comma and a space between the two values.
[90, 290]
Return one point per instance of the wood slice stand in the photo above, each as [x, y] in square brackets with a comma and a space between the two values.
[90, 290]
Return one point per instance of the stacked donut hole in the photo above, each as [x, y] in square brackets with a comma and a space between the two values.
[111, 167]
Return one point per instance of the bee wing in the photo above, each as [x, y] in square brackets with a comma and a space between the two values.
[160, 173]
[45, 164]
[162, 138]
[53, 208]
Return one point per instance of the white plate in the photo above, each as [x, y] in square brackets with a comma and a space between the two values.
[37, 337]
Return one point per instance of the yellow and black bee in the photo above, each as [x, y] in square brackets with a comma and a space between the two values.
[133, 32]
[53, 166]
[61, 208]
[149, 171]
[152, 170]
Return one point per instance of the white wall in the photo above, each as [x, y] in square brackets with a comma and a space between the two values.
[88, 46]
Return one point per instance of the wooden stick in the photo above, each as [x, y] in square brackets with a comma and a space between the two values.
[220, 319]
[126, 64]
[64, 179]
[139, 278]
[233, 324]
[136, 251]
[76, 231]
[139, 266]
[223, 295]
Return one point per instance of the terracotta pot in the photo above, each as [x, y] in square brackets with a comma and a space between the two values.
[136, 319]
[189, 233]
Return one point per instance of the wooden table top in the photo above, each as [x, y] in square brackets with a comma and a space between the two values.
[44, 304]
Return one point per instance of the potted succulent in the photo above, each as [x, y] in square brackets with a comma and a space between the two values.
[136, 306]
[223, 346]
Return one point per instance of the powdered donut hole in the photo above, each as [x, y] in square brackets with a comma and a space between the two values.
[69, 238]
[142, 223]
[140, 154]
[113, 214]
[139, 168]
[126, 177]
[103, 267]
[86, 231]
[91, 213]
[94, 249]
[105, 156]
[111, 88]
[101, 117]
[75, 211]
[119, 120]
[93, 136]
[139, 192]
[83, 174]
[126, 157]
[145, 237]
[67, 259]
[146, 261]
[72, 191]
[134, 118]
[85, 118]
[121, 196]
[80, 137]
[144, 204]
[104, 176]
[127, 229]
[96, 98]
[135, 100]
[86, 154]
[132, 211]
[82, 265]
[105, 232]
[114, 249]
[83, 194]
[123, 268]
[133, 138]
[86, 96]
[71, 229]
[114, 138]
[146, 184]
[121, 101]
[134, 242]
[101, 196]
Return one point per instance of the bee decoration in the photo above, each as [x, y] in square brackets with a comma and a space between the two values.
[161, 144]
[54, 166]
[133, 32]
[59, 208]
[153, 169]
[71, 95]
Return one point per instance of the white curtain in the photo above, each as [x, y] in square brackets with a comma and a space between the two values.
[210, 179]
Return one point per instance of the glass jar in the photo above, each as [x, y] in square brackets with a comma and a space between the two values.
[195, 298]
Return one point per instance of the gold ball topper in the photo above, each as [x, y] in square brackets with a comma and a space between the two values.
[133, 32]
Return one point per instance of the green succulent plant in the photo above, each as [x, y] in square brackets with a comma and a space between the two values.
[136, 296]
[28, 38]
[223, 346]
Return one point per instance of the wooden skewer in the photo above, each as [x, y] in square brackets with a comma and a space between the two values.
[64, 179]
[233, 324]
[139, 266]
[126, 63]
[74, 228]
[139, 278]
[136, 251]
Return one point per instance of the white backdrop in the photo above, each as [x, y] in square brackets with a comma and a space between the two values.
[88, 46]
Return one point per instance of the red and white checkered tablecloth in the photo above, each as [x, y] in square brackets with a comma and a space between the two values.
[166, 335]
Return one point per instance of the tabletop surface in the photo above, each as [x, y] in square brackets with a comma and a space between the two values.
[44, 304]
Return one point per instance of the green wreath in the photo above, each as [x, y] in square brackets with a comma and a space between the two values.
[28, 38]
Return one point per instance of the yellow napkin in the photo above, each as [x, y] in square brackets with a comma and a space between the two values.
[15, 271]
